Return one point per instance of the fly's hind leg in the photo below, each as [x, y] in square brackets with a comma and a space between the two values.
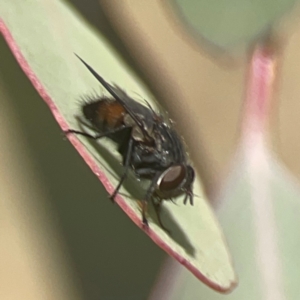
[96, 136]
[144, 210]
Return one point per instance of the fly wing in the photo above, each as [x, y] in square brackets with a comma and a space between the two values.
[141, 112]
[142, 116]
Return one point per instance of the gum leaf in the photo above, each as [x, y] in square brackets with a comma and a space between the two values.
[43, 37]
[226, 24]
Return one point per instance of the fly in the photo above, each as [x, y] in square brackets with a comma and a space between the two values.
[149, 146]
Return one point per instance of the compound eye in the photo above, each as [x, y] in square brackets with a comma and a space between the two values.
[172, 178]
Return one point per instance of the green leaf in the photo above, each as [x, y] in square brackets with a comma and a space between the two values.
[227, 24]
[44, 37]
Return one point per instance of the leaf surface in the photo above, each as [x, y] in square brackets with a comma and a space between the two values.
[43, 37]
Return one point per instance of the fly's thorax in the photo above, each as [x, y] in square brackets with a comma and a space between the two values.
[138, 133]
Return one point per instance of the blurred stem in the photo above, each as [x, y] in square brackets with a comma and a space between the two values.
[255, 138]
[259, 94]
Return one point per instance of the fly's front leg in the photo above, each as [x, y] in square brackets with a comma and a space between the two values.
[147, 198]
[189, 195]
[157, 208]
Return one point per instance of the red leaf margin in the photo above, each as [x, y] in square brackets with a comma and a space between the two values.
[4, 30]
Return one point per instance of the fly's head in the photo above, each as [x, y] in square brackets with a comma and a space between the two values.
[174, 181]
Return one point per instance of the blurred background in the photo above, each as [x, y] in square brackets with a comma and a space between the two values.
[60, 236]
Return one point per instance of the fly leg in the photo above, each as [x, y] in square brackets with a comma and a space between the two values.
[147, 198]
[97, 136]
[144, 209]
[128, 154]
[126, 166]
[189, 195]
[157, 208]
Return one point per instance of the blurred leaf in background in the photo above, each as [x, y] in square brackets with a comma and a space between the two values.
[238, 220]
[232, 23]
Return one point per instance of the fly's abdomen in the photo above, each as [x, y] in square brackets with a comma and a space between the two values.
[105, 114]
